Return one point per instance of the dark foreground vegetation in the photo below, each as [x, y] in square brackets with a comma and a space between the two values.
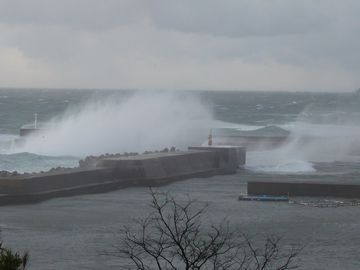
[10, 260]
[175, 236]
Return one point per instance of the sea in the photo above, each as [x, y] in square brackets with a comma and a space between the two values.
[79, 232]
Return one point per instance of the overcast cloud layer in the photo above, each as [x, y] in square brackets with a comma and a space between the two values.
[310, 45]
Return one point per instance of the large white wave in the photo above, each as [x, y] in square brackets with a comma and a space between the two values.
[307, 144]
[278, 161]
[137, 123]
[325, 142]
[156, 120]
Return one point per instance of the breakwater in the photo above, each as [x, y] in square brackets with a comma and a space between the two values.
[111, 172]
[304, 188]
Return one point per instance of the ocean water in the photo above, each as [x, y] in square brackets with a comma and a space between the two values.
[73, 233]
[92, 122]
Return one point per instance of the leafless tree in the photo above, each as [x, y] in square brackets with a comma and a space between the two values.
[173, 236]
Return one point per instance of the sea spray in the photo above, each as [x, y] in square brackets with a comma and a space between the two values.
[26, 162]
[308, 143]
[325, 142]
[327, 133]
[284, 159]
[142, 121]
[319, 134]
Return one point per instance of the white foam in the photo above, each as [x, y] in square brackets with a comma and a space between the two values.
[294, 166]
[277, 161]
[309, 143]
[137, 123]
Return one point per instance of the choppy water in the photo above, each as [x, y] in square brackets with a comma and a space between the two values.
[88, 122]
[70, 233]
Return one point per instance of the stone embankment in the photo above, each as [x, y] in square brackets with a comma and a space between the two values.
[318, 188]
[92, 161]
[87, 162]
[112, 171]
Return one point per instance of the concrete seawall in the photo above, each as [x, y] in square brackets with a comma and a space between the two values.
[318, 189]
[113, 173]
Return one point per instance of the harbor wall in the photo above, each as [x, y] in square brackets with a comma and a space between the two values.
[227, 156]
[113, 173]
[53, 181]
[318, 189]
[162, 165]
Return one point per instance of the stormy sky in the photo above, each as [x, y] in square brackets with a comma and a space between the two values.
[307, 45]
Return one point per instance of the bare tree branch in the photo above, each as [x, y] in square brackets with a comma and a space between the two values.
[173, 237]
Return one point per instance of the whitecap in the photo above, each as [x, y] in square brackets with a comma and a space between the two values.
[286, 167]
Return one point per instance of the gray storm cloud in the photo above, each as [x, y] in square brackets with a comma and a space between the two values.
[168, 44]
[90, 15]
[234, 18]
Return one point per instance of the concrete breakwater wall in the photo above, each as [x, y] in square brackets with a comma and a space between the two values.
[306, 189]
[110, 173]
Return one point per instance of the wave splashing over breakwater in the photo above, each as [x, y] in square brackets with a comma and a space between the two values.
[136, 123]
[309, 143]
